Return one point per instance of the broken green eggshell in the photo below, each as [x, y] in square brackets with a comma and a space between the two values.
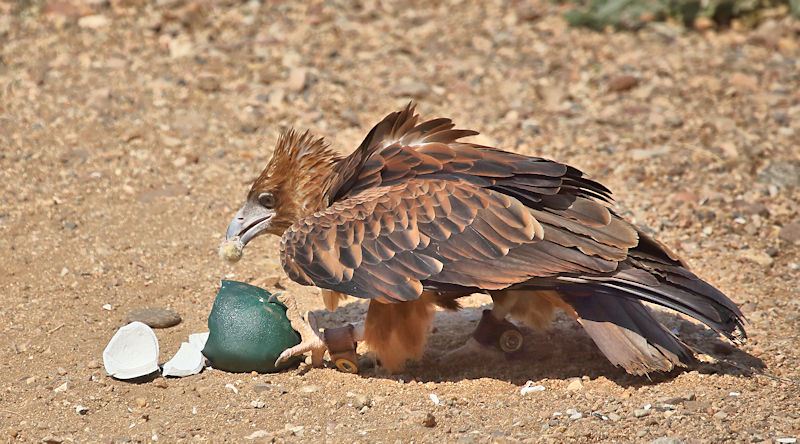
[247, 331]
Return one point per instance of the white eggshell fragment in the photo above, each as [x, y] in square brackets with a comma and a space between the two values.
[188, 361]
[199, 340]
[231, 249]
[132, 352]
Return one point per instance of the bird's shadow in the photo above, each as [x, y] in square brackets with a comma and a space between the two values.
[560, 352]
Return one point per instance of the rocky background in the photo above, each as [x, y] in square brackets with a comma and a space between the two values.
[129, 132]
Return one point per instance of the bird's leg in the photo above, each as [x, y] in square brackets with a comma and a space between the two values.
[494, 335]
[339, 342]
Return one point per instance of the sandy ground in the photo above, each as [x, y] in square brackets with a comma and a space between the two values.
[129, 133]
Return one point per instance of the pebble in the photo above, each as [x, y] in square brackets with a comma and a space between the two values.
[622, 82]
[297, 81]
[429, 420]
[666, 440]
[61, 388]
[786, 440]
[258, 434]
[232, 388]
[641, 413]
[95, 21]
[575, 385]
[257, 404]
[759, 257]
[208, 82]
[614, 417]
[308, 389]
[530, 388]
[780, 174]
[360, 401]
[790, 233]
[141, 402]
[407, 87]
[155, 317]
[259, 388]
[81, 410]
[720, 416]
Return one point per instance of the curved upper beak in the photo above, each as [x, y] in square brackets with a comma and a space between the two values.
[250, 221]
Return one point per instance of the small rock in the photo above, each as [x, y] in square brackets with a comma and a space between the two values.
[155, 317]
[257, 404]
[407, 87]
[141, 402]
[666, 440]
[622, 82]
[297, 81]
[81, 410]
[703, 24]
[575, 385]
[259, 388]
[644, 154]
[786, 440]
[720, 416]
[743, 81]
[308, 389]
[530, 388]
[759, 257]
[258, 434]
[208, 82]
[232, 388]
[50, 439]
[790, 233]
[641, 413]
[95, 21]
[61, 388]
[780, 174]
[429, 420]
[360, 401]
[614, 417]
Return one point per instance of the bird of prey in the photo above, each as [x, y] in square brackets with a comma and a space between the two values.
[415, 218]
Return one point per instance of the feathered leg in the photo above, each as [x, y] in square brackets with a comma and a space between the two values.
[398, 332]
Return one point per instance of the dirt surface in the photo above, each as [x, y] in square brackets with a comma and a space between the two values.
[129, 132]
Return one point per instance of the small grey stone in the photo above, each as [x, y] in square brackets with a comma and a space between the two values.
[361, 401]
[259, 388]
[781, 174]
[641, 413]
[790, 233]
[667, 440]
[155, 317]
[407, 87]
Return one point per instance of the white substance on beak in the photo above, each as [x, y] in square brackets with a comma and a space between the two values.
[231, 249]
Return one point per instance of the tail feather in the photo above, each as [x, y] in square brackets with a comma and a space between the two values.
[628, 335]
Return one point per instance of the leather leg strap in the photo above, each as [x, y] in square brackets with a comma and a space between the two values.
[342, 347]
[490, 330]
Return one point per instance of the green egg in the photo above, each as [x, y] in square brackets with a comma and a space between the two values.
[246, 332]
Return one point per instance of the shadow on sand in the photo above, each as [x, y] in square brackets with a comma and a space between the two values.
[560, 352]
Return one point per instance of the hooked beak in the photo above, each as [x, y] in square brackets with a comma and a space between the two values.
[250, 221]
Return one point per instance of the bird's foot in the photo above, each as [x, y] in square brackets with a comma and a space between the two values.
[493, 338]
[339, 342]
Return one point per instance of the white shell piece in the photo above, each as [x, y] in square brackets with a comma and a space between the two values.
[199, 340]
[188, 361]
[132, 352]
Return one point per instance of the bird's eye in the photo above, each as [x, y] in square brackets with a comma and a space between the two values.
[267, 200]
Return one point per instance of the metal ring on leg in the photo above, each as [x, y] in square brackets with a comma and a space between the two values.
[510, 341]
